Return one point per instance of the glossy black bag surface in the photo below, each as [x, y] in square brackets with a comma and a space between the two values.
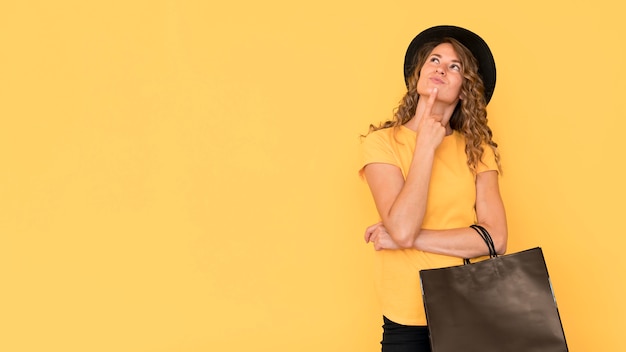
[503, 304]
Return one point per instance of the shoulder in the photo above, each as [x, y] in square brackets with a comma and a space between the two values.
[379, 147]
[488, 160]
[485, 153]
[378, 139]
[381, 134]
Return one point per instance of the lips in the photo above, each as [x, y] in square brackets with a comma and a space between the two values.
[437, 80]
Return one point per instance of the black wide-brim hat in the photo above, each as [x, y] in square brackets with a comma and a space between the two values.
[475, 44]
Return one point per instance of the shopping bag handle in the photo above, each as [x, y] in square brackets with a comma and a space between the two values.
[488, 241]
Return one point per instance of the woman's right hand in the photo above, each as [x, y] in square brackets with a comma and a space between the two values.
[430, 131]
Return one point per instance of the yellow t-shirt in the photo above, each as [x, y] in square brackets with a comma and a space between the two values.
[450, 204]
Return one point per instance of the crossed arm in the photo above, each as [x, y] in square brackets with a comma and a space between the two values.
[398, 230]
[401, 202]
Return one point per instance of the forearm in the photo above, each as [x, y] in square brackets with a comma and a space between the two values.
[404, 218]
[465, 242]
[460, 242]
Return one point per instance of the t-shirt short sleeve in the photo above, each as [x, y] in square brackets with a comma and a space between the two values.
[488, 161]
[376, 148]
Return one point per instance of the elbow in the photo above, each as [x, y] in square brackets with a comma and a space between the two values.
[499, 236]
[406, 244]
[500, 247]
[404, 240]
[500, 243]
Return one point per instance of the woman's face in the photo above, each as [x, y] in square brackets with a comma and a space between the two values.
[442, 70]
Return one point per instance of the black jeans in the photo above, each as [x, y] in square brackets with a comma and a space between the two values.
[404, 338]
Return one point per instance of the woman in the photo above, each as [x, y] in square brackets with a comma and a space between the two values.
[433, 171]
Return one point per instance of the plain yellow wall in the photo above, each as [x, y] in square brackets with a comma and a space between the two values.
[181, 175]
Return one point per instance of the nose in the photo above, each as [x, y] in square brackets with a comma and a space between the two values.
[440, 70]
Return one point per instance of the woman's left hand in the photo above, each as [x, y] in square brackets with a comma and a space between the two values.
[378, 235]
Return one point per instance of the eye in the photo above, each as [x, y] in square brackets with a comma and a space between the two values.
[456, 67]
[434, 59]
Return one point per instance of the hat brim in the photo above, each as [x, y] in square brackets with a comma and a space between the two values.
[478, 47]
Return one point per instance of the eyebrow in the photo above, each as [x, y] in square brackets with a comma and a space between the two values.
[439, 56]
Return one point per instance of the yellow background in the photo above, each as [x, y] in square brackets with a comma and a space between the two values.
[181, 175]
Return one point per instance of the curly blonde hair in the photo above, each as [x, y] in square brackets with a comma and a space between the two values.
[470, 115]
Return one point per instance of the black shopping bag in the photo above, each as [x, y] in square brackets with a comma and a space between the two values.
[502, 304]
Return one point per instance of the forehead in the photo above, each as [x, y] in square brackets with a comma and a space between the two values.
[445, 49]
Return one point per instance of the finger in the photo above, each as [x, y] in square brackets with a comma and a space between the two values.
[367, 235]
[369, 231]
[430, 102]
[378, 245]
[374, 239]
[437, 118]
